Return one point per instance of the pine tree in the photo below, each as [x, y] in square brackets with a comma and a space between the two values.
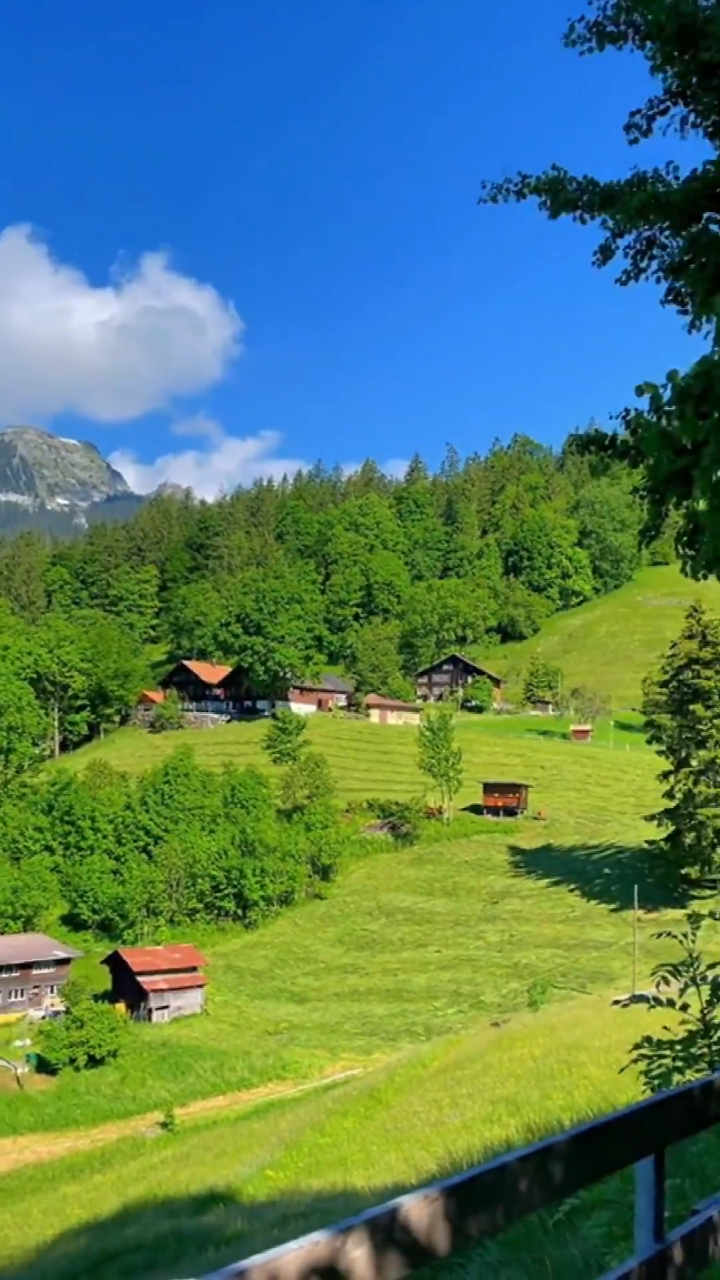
[681, 706]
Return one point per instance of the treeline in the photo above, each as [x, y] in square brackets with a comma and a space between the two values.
[372, 575]
[129, 857]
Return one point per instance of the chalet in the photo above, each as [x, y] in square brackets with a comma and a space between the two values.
[303, 696]
[450, 674]
[391, 711]
[33, 971]
[157, 984]
[198, 685]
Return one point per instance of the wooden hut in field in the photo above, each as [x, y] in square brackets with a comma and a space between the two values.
[505, 799]
[581, 732]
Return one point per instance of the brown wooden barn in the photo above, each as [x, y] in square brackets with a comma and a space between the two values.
[321, 693]
[157, 984]
[505, 799]
[391, 710]
[453, 672]
[199, 685]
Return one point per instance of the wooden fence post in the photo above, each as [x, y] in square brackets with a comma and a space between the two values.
[649, 1204]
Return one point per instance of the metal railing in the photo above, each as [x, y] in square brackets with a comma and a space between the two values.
[396, 1238]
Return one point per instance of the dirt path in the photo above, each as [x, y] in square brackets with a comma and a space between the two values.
[33, 1147]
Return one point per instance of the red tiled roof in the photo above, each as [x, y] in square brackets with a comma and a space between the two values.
[208, 672]
[174, 982]
[152, 695]
[162, 959]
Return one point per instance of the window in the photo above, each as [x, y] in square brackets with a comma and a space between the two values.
[16, 993]
[9, 971]
[51, 989]
[44, 966]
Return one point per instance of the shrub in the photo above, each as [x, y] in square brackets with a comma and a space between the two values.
[167, 715]
[88, 1035]
[284, 738]
[478, 695]
[402, 818]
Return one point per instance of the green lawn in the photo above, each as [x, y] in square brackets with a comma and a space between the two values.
[610, 643]
[172, 1206]
[410, 944]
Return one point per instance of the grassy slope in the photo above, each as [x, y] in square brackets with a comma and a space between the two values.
[180, 1204]
[410, 944]
[611, 643]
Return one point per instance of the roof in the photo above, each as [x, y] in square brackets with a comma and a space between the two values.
[461, 657]
[152, 695]
[505, 783]
[327, 681]
[160, 959]
[24, 948]
[208, 672]
[174, 982]
[390, 704]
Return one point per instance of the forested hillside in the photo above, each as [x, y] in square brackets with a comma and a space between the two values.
[373, 575]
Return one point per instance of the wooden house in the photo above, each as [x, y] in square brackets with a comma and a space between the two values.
[157, 984]
[391, 711]
[581, 732]
[198, 685]
[33, 971]
[505, 799]
[303, 696]
[445, 677]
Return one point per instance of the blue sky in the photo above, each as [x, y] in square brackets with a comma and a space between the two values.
[332, 289]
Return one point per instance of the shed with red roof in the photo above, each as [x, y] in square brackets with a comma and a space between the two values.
[157, 984]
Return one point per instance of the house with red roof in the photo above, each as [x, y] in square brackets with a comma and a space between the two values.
[157, 984]
[198, 685]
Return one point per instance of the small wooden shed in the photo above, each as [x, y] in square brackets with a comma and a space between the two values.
[157, 984]
[581, 732]
[505, 799]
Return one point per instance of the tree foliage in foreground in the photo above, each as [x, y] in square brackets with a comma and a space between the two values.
[284, 736]
[660, 224]
[687, 988]
[681, 706]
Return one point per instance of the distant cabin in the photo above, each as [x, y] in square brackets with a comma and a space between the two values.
[33, 971]
[198, 685]
[304, 696]
[157, 984]
[542, 707]
[451, 673]
[581, 732]
[505, 799]
[391, 711]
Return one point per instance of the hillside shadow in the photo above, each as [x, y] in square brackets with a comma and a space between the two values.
[629, 726]
[600, 873]
[195, 1236]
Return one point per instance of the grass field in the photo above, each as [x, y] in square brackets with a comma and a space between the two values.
[176, 1205]
[418, 968]
[610, 643]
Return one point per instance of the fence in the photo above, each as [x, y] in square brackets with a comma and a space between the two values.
[402, 1235]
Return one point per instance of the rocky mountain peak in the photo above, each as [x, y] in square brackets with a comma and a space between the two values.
[38, 468]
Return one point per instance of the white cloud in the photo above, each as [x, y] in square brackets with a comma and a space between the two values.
[226, 461]
[108, 352]
[222, 465]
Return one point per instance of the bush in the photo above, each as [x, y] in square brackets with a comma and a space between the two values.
[88, 1035]
[403, 818]
[478, 695]
[167, 715]
[284, 738]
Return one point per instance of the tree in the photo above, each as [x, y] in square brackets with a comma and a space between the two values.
[60, 678]
[663, 222]
[168, 714]
[283, 739]
[542, 681]
[689, 989]
[373, 658]
[681, 706]
[439, 756]
[89, 1034]
[307, 782]
[24, 729]
[478, 695]
[587, 705]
